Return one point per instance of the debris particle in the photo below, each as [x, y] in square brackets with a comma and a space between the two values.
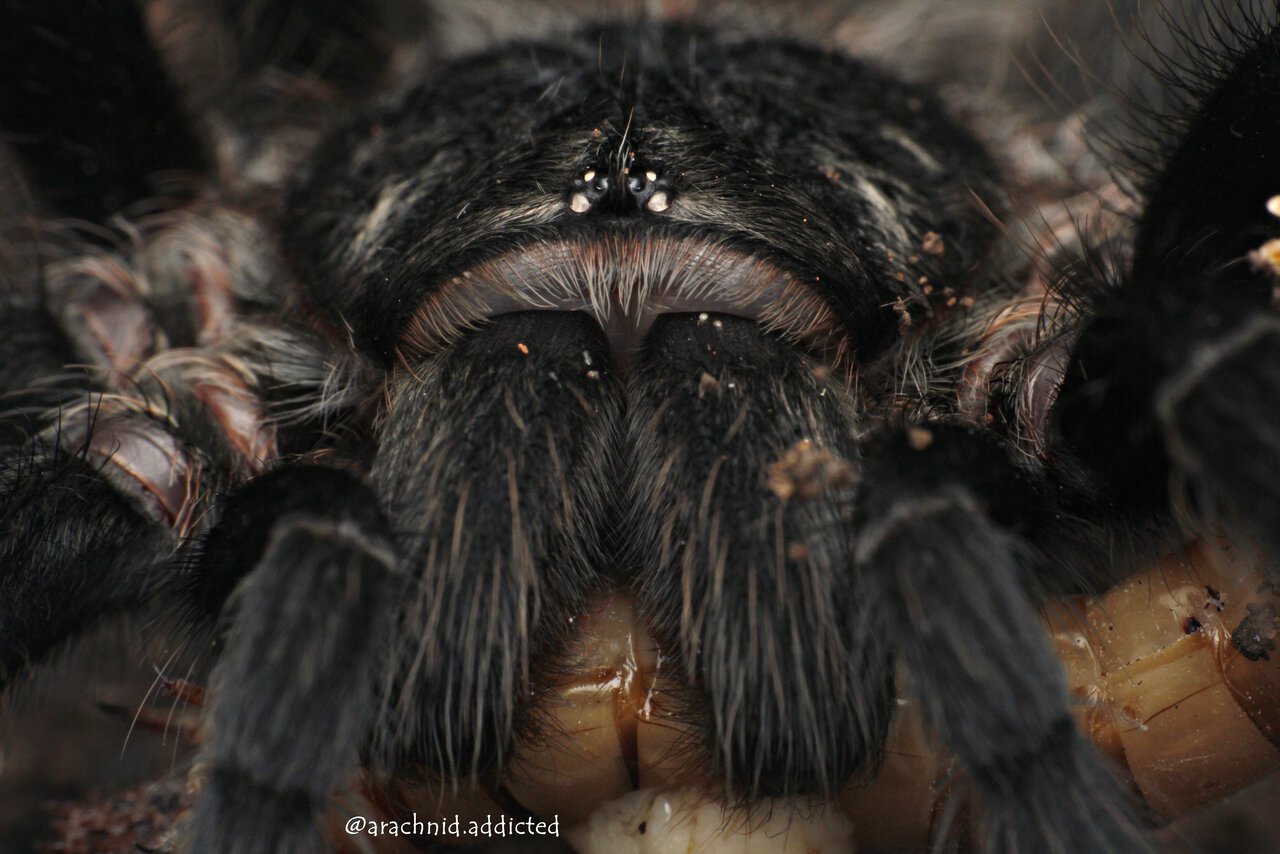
[1215, 599]
[703, 317]
[1266, 258]
[919, 438]
[1132, 716]
[933, 244]
[707, 383]
[596, 133]
[904, 314]
[586, 357]
[593, 375]
[805, 471]
[797, 551]
[831, 173]
[1273, 205]
[181, 689]
[1255, 637]
[821, 373]
[913, 259]
[522, 347]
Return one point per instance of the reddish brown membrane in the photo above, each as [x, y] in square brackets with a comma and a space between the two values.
[131, 434]
[625, 282]
[1031, 335]
[139, 457]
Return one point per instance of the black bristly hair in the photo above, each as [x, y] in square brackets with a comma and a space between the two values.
[734, 325]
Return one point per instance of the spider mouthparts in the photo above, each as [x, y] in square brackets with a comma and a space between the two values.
[617, 762]
[624, 281]
[616, 735]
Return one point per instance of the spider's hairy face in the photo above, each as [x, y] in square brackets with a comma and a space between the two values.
[669, 240]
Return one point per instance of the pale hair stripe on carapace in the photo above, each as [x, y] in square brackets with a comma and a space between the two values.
[624, 281]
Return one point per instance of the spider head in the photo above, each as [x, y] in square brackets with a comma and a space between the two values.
[637, 171]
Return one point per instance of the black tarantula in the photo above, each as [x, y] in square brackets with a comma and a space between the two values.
[801, 358]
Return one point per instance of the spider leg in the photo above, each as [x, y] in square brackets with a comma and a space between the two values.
[95, 489]
[744, 463]
[493, 463]
[949, 584]
[1171, 392]
[72, 548]
[305, 640]
[126, 451]
[131, 397]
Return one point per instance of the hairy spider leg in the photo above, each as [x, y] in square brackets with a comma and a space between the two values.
[306, 634]
[1170, 396]
[72, 548]
[939, 553]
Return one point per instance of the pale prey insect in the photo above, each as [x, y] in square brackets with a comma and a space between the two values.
[745, 360]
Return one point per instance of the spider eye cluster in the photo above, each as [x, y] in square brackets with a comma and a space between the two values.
[645, 191]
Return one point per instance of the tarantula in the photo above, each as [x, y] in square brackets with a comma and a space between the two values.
[387, 396]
